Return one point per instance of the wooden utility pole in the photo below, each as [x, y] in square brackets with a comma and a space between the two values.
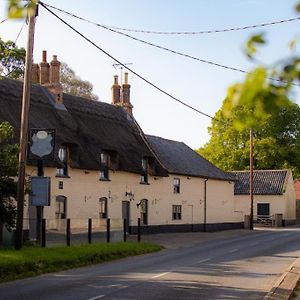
[24, 133]
[251, 179]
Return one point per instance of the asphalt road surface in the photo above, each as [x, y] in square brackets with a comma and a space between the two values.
[239, 267]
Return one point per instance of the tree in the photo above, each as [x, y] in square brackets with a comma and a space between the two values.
[12, 60]
[8, 170]
[277, 135]
[263, 105]
[12, 65]
[74, 85]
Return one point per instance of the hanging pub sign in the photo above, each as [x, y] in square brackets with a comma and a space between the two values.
[41, 144]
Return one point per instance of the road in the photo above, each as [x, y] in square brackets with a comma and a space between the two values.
[235, 267]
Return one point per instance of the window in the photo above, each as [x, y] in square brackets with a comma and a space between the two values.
[103, 208]
[63, 157]
[176, 186]
[144, 211]
[104, 166]
[176, 212]
[60, 207]
[144, 175]
[263, 209]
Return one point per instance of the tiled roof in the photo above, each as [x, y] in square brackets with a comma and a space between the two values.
[265, 182]
[178, 158]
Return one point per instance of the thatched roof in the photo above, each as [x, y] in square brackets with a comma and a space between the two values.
[265, 182]
[178, 158]
[87, 127]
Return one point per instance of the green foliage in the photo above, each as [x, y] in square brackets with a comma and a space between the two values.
[8, 170]
[17, 9]
[74, 85]
[276, 141]
[253, 42]
[31, 261]
[12, 60]
[263, 105]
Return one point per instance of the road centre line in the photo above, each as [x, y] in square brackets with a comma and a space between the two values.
[160, 275]
[203, 260]
[97, 297]
[233, 250]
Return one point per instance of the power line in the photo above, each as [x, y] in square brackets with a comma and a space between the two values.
[3, 21]
[167, 49]
[129, 69]
[20, 31]
[195, 32]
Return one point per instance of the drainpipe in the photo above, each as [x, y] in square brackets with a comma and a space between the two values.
[204, 223]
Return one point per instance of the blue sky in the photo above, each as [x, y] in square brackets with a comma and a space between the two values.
[200, 85]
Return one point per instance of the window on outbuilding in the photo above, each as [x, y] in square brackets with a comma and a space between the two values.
[176, 185]
[63, 157]
[144, 175]
[176, 212]
[104, 166]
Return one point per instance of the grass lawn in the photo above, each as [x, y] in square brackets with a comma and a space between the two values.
[32, 261]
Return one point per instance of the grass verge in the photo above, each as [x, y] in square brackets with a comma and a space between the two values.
[32, 261]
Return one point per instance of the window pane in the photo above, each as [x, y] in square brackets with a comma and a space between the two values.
[62, 154]
[104, 158]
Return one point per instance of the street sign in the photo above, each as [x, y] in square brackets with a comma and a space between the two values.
[40, 191]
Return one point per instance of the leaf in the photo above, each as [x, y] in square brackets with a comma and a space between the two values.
[251, 45]
[298, 7]
[16, 9]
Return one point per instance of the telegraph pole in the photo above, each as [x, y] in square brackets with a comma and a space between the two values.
[24, 132]
[251, 179]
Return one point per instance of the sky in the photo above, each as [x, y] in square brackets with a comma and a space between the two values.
[200, 85]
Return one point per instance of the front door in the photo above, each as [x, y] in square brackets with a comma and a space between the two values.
[126, 213]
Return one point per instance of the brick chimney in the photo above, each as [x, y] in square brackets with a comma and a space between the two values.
[115, 89]
[125, 97]
[44, 69]
[55, 86]
[48, 75]
[35, 76]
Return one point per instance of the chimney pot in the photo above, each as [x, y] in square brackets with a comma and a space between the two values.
[44, 56]
[126, 78]
[116, 95]
[116, 79]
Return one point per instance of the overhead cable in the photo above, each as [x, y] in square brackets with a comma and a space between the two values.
[19, 33]
[128, 68]
[167, 49]
[195, 32]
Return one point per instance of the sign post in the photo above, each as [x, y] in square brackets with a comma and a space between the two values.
[42, 144]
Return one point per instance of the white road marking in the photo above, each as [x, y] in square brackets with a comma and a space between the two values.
[233, 250]
[97, 297]
[203, 260]
[160, 275]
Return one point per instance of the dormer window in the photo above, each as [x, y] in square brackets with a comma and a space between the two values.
[63, 157]
[144, 175]
[104, 166]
